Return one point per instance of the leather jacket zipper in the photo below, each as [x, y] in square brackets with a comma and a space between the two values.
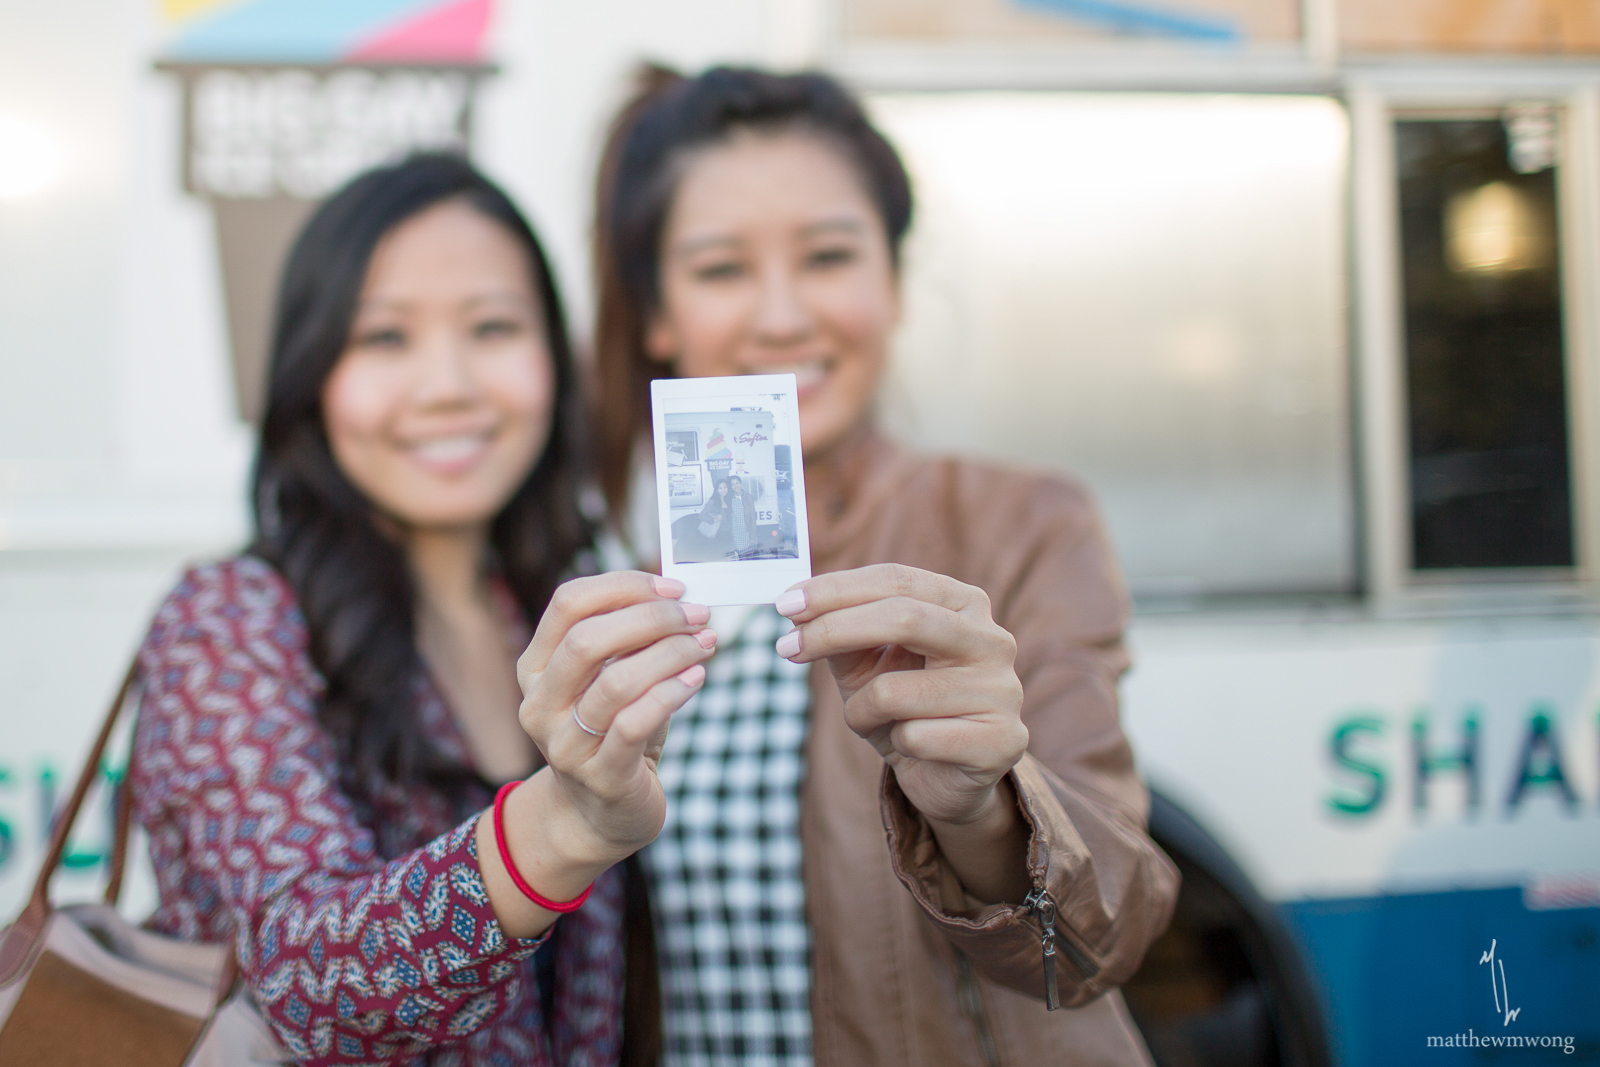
[1040, 902]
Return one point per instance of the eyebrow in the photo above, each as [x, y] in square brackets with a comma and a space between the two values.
[835, 225]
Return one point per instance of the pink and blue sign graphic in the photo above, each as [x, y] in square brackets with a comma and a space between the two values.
[320, 31]
[1139, 18]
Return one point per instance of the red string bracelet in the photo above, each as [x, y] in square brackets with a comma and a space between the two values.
[511, 868]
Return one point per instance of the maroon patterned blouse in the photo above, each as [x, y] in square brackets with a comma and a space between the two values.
[364, 929]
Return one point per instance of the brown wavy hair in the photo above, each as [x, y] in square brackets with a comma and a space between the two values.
[312, 524]
[668, 118]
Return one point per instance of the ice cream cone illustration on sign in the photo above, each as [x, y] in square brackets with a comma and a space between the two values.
[285, 100]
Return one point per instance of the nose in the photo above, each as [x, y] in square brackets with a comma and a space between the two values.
[445, 377]
[782, 318]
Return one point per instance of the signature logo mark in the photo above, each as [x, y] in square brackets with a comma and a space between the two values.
[1497, 985]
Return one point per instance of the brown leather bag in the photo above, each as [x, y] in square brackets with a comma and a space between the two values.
[82, 987]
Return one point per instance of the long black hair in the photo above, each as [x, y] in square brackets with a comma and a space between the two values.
[353, 582]
[668, 118]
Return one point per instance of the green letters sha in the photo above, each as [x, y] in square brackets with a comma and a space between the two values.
[1339, 745]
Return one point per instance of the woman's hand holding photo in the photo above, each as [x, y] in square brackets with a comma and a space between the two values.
[614, 656]
[928, 678]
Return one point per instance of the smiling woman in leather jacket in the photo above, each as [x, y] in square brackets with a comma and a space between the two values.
[970, 618]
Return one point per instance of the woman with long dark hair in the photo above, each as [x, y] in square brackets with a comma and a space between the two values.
[970, 618]
[327, 717]
[714, 527]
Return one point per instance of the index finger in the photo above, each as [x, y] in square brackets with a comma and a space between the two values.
[807, 600]
[582, 598]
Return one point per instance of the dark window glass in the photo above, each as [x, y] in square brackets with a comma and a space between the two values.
[1484, 368]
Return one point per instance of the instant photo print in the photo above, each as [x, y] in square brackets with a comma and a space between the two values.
[731, 487]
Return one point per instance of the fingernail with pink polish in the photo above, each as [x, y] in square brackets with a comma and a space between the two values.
[707, 638]
[669, 587]
[792, 602]
[789, 644]
[696, 614]
[693, 676]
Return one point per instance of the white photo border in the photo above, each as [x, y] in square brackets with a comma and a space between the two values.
[748, 581]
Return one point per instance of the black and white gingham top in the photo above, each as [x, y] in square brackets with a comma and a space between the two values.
[725, 873]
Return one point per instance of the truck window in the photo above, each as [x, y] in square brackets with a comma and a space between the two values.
[1486, 405]
[1146, 290]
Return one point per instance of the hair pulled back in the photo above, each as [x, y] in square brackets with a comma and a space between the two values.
[321, 533]
[668, 119]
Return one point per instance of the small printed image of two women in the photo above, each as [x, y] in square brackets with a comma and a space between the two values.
[738, 502]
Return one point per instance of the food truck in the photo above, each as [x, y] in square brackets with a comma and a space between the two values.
[1306, 291]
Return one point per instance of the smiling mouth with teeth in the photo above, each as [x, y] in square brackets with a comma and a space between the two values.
[807, 376]
[450, 451]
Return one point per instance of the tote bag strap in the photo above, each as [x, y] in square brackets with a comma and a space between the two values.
[40, 900]
[39, 904]
[119, 834]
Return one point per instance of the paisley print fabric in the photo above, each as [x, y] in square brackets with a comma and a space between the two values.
[363, 929]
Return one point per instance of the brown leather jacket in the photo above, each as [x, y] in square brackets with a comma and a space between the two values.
[909, 971]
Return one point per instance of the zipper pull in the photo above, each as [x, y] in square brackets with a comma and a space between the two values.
[1039, 901]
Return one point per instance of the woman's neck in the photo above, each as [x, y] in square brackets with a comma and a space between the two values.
[448, 567]
[464, 642]
[831, 476]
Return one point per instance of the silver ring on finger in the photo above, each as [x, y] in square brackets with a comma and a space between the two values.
[585, 726]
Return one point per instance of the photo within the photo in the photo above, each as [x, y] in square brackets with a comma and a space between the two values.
[730, 486]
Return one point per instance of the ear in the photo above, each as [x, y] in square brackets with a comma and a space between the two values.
[661, 340]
